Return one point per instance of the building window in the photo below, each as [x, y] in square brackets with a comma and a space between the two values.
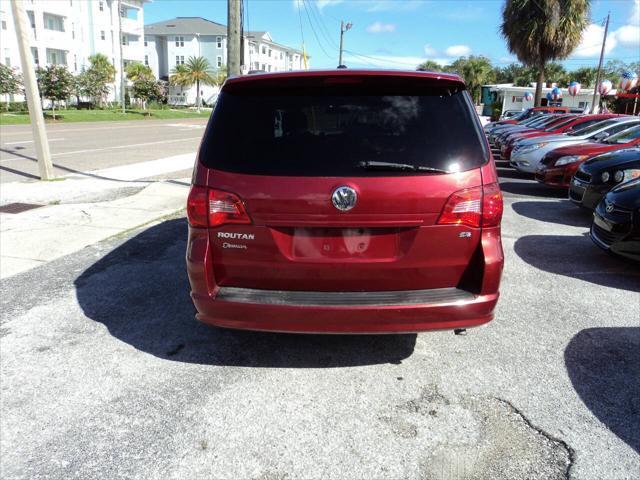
[34, 53]
[102, 35]
[73, 31]
[53, 22]
[281, 55]
[56, 57]
[4, 25]
[179, 59]
[7, 61]
[179, 41]
[125, 40]
[101, 6]
[146, 60]
[219, 42]
[264, 50]
[269, 52]
[75, 63]
[264, 67]
[32, 19]
[145, 41]
[219, 61]
[269, 68]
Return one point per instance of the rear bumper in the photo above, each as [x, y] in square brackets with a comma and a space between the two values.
[471, 312]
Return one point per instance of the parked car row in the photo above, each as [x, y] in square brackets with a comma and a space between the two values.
[595, 157]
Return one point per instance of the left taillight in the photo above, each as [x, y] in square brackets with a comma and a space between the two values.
[207, 207]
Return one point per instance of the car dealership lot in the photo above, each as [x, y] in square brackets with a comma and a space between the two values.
[105, 373]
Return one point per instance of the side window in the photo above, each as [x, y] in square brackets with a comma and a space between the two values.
[619, 128]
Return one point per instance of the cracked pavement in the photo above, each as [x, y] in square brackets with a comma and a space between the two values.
[105, 373]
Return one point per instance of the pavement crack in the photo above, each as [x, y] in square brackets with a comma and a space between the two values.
[552, 438]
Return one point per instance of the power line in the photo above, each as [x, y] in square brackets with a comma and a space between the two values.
[304, 4]
[322, 26]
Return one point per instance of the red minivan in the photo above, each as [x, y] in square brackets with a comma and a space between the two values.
[344, 202]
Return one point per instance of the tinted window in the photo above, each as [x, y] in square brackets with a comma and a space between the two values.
[624, 136]
[330, 131]
[594, 128]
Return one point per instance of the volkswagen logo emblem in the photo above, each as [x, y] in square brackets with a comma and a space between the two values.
[609, 207]
[344, 198]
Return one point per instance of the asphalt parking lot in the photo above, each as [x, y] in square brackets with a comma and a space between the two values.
[105, 373]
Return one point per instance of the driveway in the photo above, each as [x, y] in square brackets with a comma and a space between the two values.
[105, 373]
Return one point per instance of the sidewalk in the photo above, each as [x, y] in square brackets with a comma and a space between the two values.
[78, 211]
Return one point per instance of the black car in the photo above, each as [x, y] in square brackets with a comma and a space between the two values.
[616, 221]
[597, 176]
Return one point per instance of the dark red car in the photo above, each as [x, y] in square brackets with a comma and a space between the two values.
[559, 165]
[569, 123]
[344, 201]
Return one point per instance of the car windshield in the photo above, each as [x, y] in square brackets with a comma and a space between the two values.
[625, 136]
[593, 128]
[343, 130]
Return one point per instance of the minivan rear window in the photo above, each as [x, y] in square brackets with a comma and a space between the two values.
[335, 129]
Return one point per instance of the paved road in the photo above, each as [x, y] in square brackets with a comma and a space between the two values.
[106, 374]
[82, 147]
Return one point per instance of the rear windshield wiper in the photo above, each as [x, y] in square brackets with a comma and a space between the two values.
[375, 165]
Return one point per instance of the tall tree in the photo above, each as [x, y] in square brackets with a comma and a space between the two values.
[196, 71]
[98, 77]
[57, 85]
[540, 31]
[10, 81]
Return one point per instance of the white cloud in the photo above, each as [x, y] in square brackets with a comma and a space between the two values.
[429, 51]
[635, 13]
[591, 42]
[628, 36]
[379, 27]
[458, 50]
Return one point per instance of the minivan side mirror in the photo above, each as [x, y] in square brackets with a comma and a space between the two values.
[601, 136]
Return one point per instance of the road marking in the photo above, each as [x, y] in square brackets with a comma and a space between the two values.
[91, 150]
[31, 141]
[91, 128]
[149, 168]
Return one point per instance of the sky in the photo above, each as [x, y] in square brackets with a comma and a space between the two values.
[403, 33]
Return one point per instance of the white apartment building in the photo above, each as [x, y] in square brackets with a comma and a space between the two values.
[172, 42]
[68, 32]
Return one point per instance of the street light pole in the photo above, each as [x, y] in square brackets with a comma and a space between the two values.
[343, 28]
[604, 41]
[122, 86]
[31, 91]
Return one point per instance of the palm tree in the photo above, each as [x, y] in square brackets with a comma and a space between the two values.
[138, 71]
[540, 31]
[475, 71]
[430, 66]
[197, 70]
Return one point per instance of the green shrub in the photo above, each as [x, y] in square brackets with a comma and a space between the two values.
[14, 107]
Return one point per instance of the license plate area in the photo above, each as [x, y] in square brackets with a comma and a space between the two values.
[354, 244]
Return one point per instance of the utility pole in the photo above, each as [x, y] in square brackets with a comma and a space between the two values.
[31, 91]
[122, 85]
[604, 41]
[343, 28]
[233, 38]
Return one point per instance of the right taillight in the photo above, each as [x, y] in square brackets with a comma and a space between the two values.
[474, 207]
[207, 207]
[491, 205]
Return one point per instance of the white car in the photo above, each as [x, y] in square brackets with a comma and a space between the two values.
[528, 153]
